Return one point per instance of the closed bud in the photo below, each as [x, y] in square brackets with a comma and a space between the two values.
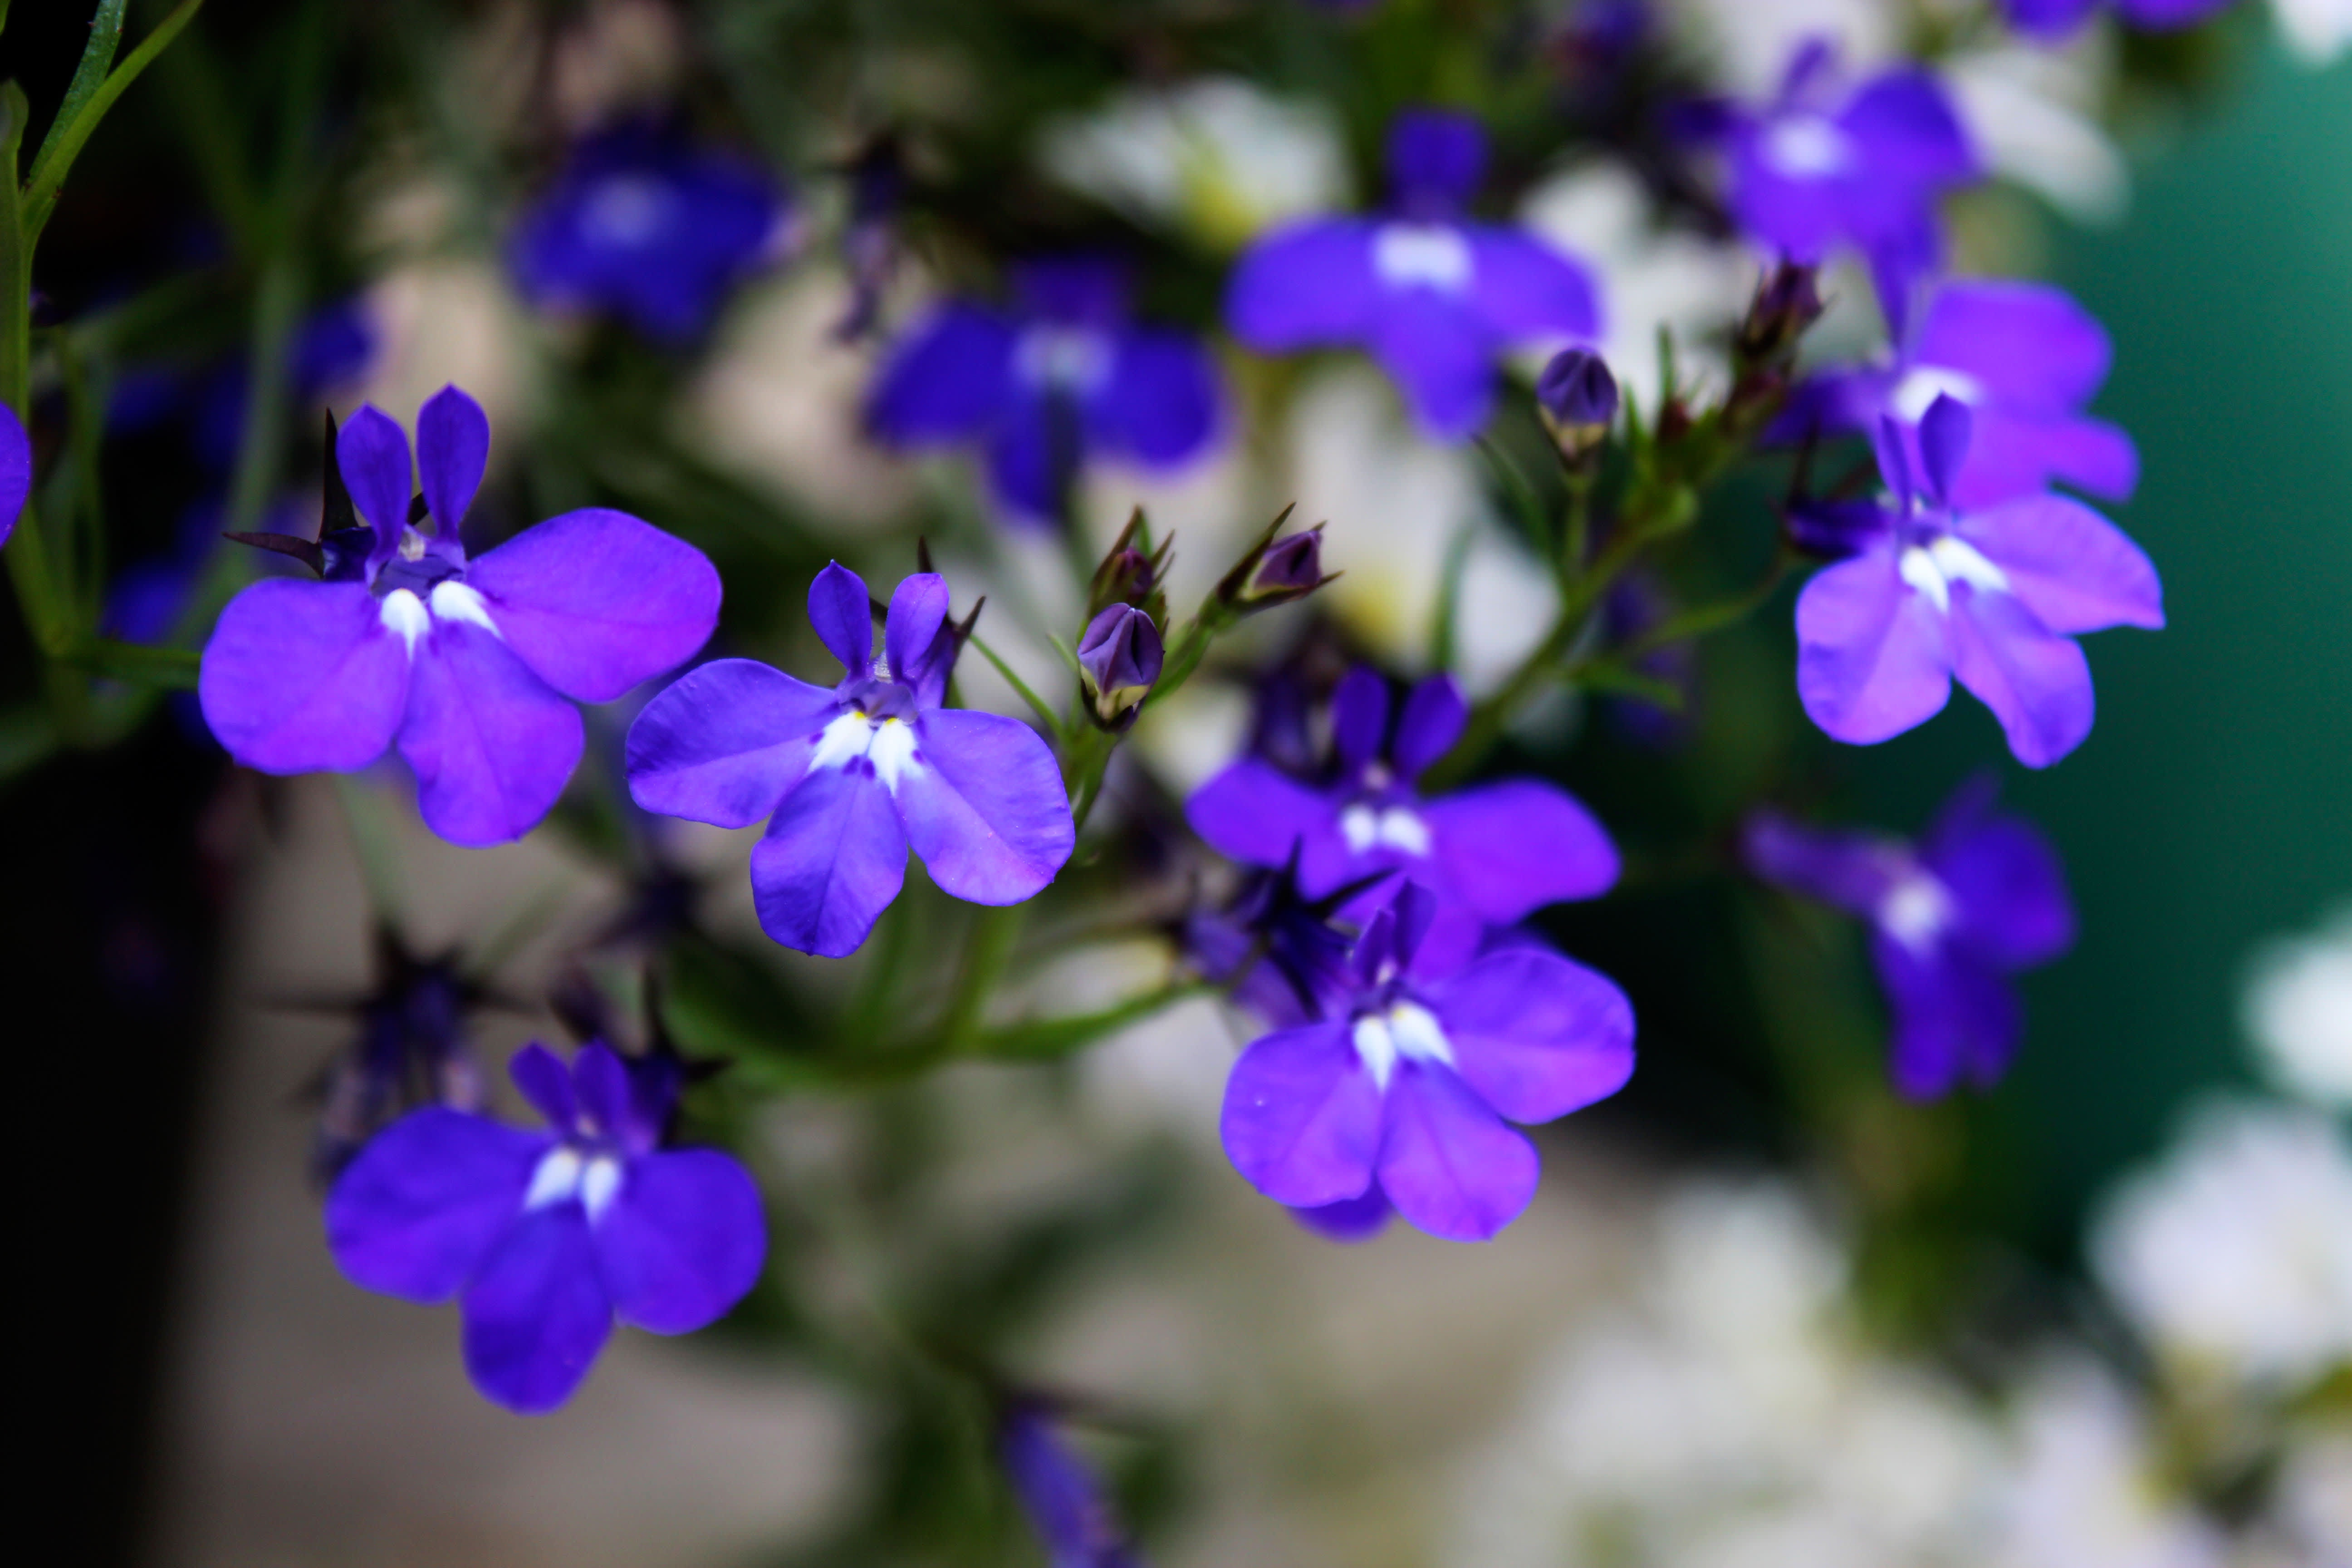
[1118, 663]
[1576, 398]
[1131, 572]
[1788, 300]
[1274, 571]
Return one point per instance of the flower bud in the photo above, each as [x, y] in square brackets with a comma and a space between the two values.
[1118, 662]
[1131, 572]
[1274, 571]
[1787, 301]
[1576, 398]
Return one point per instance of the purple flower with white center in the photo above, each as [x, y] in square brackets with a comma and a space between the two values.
[1995, 596]
[15, 470]
[853, 776]
[1062, 377]
[1435, 298]
[473, 666]
[546, 1237]
[1406, 1088]
[2052, 19]
[1951, 919]
[649, 227]
[2024, 358]
[1824, 165]
[1491, 854]
[1063, 1498]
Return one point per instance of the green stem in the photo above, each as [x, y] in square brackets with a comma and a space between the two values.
[58, 153]
[987, 950]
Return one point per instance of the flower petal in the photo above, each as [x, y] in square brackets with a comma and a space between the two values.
[2037, 683]
[1851, 872]
[537, 1314]
[453, 447]
[832, 859]
[1305, 286]
[1302, 1117]
[1026, 468]
[1909, 131]
[2019, 454]
[2009, 886]
[1535, 1034]
[947, 381]
[984, 806]
[1255, 814]
[843, 614]
[1508, 848]
[1525, 290]
[1159, 405]
[540, 1076]
[683, 1240]
[491, 744]
[724, 741]
[1350, 1219]
[1359, 717]
[595, 601]
[1433, 719]
[2029, 346]
[15, 470]
[1873, 658]
[918, 609]
[372, 450]
[1952, 1018]
[301, 676]
[1447, 1161]
[2072, 568]
[1441, 357]
[419, 1208]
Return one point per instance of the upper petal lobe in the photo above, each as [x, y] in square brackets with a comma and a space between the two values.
[301, 676]
[596, 601]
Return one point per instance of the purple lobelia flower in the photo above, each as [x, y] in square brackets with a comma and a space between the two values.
[852, 776]
[472, 665]
[15, 470]
[1404, 1089]
[1063, 1499]
[1995, 596]
[1824, 165]
[1435, 298]
[1952, 918]
[2024, 358]
[649, 227]
[2051, 19]
[1062, 377]
[547, 1236]
[1490, 855]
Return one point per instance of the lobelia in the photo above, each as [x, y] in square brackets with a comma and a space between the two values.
[1489, 855]
[1063, 377]
[1398, 1095]
[15, 470]
[1951, 919]
[1435, 298]
[852, 776]
[1064, 1498]
[547, 1237]
[1928, 591]
[472, 665]
[2049, 20]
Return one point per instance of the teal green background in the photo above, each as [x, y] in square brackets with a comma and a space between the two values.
[2212, 807]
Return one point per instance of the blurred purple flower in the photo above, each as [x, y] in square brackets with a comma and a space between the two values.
[853, 776]
[2049, 20]
[548, 1237]
[1951, 919]
[1404, 1090]
[1489, 855]
[472, 666]
[1995, 596]
[15, 470]
[1063, 1499]
[650, 227]
[1062, 376]
[413, 1050]
[1435, 298]
[2024, 358]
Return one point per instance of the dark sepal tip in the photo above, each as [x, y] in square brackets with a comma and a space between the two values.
[303, 550]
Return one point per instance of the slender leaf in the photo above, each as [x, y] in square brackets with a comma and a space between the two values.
[69, 137]
[1047, 1038]
[105, 34]
[1036, 703]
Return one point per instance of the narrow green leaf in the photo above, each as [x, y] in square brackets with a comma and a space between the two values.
[105, 34]
[69, 137]
[166, 668]
[1048, 1037]
[1036, 703]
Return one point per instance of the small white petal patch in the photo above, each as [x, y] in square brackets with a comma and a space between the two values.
[453, 601]
[1917, 568]
[893, 752]
[404, 614]
[887, 744]
[1389, 827]
[600, 1184]
[1807, 147]
[1429, 255]
[1917, 911]
[1922, 384]
[1409, 1030]
[556, 1179]
[1961, 562]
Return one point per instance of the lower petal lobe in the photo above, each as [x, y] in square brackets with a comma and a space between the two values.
[491, 744]
[834, 857]
[417, 1211]
[1872, 655]
[537, 1314]
[724, 741]
[984, 808]
[1951, 1019]
[1508, 848]
[683, 1240]
[302, 676]
[1447, 1161]
[596, 601]
[1536, 1035]
[1160, 405]
[2037, 683]
[1441, 357]
[1302, 1117]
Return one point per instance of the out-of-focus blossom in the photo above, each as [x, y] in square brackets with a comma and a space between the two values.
[852, 776]
[2299, 1009]
[2033, 112]
[2234, 1255]
[15, 470]
[1406, 1086]
[473, 665]
[1951, 919]
[2056, 18]
[547, 1237]
[869, 239]
[1995, 596]
[413, 1050]
[1217, 157]
[1489, 855]
[1435, 298]
[2023, 358]
[2318, 30]
[2082, 1490]
[1063, 1498]
[1743, 44]
[1065, 377]
[648, 228]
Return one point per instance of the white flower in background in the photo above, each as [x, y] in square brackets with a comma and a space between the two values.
[1745, 44]
[2314, 1496]
[2032, 111]
[2299, 1009]
[2235, 1254]
[2318, 30]
[2081, 1493]
[1217, 157]
[1694, 286]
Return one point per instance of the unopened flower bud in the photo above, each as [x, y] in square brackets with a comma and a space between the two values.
[1576, 398]
[1131, 572]
[1274, 571]
[1788, 300]
[1119, 662]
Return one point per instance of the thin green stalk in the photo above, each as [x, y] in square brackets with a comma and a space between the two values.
[987, 950]
[64, 145]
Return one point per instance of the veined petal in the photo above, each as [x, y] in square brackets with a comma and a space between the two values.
[832, 859]
[1536, 1035]
[596, 601]
[2037, 683]
[537, 1314]
[724, 741]
[491, 744]
[417, 1211]
[843, 614]
[453, 447]
[302, 676]
[984, 806]
[2072, 568]
[1873, 658]
[1305, 286]
[1527, 289]
[1302, 1117]
[1447, 1161]
[682, 1241]
[1255, 814]
[1508, 848]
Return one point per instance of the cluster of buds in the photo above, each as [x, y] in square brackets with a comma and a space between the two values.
[1121, 653]
[1576, 398]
